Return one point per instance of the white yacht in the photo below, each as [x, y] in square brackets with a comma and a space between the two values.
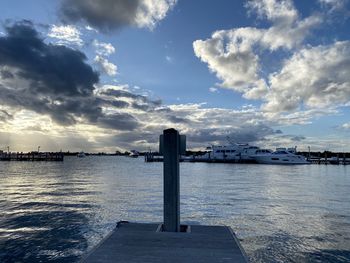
[234, 151]
[280, 156]
[218, 152]
[249, 152]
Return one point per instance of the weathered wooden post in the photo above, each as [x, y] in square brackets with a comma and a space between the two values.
[171, 146]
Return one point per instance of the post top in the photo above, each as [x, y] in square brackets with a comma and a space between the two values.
[171, 130]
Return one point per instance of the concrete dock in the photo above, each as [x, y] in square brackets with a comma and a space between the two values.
[136, 242]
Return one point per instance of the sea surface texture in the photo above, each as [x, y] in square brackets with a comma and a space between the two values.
[53, 211]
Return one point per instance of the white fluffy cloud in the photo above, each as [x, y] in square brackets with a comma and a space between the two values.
[231, 57]
[152, 11]
[106, 66]
[310, 79]
[103, 49]
[313, 77]
[66, 35]
[233, 54]
[346, 126]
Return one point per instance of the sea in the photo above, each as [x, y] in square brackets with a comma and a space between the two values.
[58, 211]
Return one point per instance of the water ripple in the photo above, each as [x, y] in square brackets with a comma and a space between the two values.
[57, 211]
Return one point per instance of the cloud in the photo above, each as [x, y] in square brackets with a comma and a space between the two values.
[66, 35]
[49, 68]
[310, 79]
[53, 80]
[111, 94]
[301, 117]
[280, 12]
[213, 89]
[235, 65]
[233, 55]
[5, 116]
[212, 125]
[201, 125]
[294, 138]
[314, 77]
[334, 5]
[245, 133]
[6, 74]
[107, 67]
[113, 14]
[89, 28]
[119, 121]
[345, 126]
[103, 49]
[169, 59]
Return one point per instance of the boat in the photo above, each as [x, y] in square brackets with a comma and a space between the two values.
[245, 153]
[81, 154]
[223, 152]
[239, 152]
[280, 156]
[134, 154]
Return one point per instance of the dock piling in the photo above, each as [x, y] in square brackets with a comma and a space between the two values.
[171, 147]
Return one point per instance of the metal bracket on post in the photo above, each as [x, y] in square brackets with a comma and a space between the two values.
[171, 145]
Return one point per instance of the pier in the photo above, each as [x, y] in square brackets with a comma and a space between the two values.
[131, 242]
[169, 241]
[341, 161]
[32, 156]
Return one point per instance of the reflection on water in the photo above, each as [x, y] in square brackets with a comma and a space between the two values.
[57, 211]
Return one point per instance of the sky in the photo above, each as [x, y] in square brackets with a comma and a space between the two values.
[107, 75]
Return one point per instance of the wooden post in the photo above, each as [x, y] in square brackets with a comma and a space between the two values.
[171, 146]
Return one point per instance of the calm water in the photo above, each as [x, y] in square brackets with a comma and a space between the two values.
[57, 211]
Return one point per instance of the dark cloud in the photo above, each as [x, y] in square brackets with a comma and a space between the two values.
[142, 107]
[5, 74]
[116, 103]
[118, 93]
[134, 139]
[102, 14]
[5, 116]
[54, 80]
[176, 119]
[243, 134]
[119, 121]
[52, 69]
[45, 78]
[295, 138]
[298, 138]
[278, 132]
[140, 102]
